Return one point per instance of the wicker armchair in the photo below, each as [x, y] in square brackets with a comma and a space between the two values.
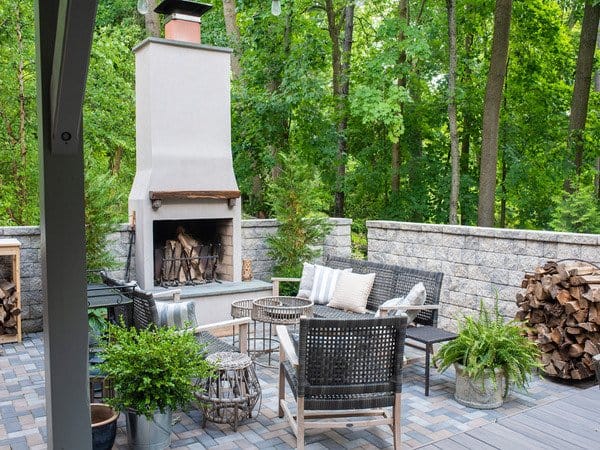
[393, 281]
[343, 368]
[145, 313]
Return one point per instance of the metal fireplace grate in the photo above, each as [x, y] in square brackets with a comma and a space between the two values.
[194, 265]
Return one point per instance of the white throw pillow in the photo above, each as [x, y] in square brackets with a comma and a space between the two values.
[306, 282]
[352, 291]
[415, 297]
[180, 314]
[324, 284]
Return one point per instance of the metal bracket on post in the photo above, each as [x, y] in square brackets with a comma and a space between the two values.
[72, 48]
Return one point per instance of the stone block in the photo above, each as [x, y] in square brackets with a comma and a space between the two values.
[32, 325]
[529, 263]
[31, 270]
[549, 250]
[31, 284]
[337, 241]
[453, 240]
[590, 253]
[30, 255]
[473, 242]
[567, 251]
[377, 246]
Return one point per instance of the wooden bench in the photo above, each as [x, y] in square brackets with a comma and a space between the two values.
[392, 281]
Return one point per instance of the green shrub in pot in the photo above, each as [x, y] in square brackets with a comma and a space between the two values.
[489, 353]
[153, 369]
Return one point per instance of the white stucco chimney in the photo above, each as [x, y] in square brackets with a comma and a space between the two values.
[184, 166]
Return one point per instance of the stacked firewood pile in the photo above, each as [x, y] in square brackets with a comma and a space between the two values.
[186, 261]
[8, 308]
[561, 304]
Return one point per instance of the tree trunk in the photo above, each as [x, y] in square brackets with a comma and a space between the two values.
[281, 142]
[491, 113]
[465, 147]
[20, 174]
[403, 17]
[504, 171]
[454, 154]
[233, 32]
[597, 89]
[340, 61]
[583, 75]
[152, 20]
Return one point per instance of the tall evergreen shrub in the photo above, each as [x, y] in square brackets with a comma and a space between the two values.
[297, 199]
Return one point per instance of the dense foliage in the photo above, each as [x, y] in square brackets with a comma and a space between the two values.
[294, 198]
[384, 144]
[486, 343]
[152, 369]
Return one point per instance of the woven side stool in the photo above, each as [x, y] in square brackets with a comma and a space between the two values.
[232, 393]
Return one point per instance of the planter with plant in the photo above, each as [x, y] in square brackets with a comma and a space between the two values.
[153, 372]
[104, 426]
[489, 355]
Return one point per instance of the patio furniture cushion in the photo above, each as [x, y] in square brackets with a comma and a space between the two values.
[181, 315]
[352, 291]
[306, 280]
[325, 312]
[415, 297]
[324, 284]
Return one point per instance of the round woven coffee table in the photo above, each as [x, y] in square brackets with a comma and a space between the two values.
[232, 393]
[278, 311]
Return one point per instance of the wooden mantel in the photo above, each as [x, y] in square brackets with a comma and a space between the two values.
[193, 195]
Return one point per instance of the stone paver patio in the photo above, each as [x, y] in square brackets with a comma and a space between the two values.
[425, 420]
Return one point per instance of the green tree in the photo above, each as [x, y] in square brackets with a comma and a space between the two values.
[296, 197]
[577, 209]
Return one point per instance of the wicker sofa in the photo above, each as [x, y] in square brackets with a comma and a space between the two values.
[392, 281]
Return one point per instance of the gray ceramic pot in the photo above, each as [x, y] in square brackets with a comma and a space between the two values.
[481, 394]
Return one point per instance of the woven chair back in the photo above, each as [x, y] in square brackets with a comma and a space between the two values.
[352, 363]
[144, 309]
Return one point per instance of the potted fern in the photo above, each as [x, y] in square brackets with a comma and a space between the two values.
[153, 372]
[488, 355]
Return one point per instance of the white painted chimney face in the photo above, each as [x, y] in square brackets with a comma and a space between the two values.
[183, 141]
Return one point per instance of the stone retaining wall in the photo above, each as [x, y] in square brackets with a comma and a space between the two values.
[254, 243]
[254, 247]
[478, 263]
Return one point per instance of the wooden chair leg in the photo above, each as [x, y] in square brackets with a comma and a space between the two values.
[281, 382]
[300, 424]
[281, 390]
[397, 416]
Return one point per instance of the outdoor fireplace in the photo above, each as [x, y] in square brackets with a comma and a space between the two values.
[184, 202]
[192, 252]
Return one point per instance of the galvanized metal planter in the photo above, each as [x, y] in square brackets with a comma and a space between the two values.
[481, 394]
[144, 434]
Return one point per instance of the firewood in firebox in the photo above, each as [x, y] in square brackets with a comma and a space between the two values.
[177, 266]
[168, 262]
[189, 244]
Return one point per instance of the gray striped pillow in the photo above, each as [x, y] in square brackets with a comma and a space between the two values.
[180, 314]
[324, 284]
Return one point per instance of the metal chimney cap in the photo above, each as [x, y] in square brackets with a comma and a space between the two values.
[187, 8]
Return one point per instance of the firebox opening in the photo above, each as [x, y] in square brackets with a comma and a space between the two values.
[191, 252]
